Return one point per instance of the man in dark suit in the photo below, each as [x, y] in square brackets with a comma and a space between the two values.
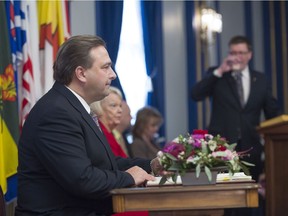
[66, 166]
[236, 112]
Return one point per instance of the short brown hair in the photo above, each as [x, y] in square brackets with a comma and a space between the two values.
[240, 39]
[73, 53]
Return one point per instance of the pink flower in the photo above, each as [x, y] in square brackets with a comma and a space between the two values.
[197, 136]
[226, 155]
[174, 149]
[229, 155]
[197, 143]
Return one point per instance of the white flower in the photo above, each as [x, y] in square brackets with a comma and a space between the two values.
[191, 140]
[160, 154]
[176, 140]
[212, 145]
[208, 136]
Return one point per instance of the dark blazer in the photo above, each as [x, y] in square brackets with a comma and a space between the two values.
[66, 166]
[232, 121]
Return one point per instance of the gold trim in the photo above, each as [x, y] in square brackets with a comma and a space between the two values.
[273, 48]
[284, 56]
[274, 121]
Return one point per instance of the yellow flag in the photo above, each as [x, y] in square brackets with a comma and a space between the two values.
[9, 121]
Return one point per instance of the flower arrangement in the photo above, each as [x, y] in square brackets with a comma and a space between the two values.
[200, 150]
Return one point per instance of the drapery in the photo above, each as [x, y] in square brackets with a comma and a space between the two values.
[191, 63]
[151, 12]
[275, 16]
[108, 27]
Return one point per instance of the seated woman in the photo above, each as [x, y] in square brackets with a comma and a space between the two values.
[123, 129]
[148, 122]
[109, 113]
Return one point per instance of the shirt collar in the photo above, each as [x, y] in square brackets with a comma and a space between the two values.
[82, 101]
[245, 72]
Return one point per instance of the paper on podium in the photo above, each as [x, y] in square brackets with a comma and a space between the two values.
[168, 182]
[237, 177]
[221, 178]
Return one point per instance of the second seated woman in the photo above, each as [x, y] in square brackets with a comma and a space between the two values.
[147, 124]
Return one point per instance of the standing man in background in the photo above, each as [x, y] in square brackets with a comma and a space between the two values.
[66, 166]
[239, 95]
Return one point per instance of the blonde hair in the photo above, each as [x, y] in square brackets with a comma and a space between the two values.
[96, 106]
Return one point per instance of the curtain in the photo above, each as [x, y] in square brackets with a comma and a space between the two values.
[151, 12]
[275, 16]
[191, 63]
[108, 27]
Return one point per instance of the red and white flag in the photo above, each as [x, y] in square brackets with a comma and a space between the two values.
[31, 89]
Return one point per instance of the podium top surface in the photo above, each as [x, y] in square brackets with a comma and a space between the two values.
[274, 121]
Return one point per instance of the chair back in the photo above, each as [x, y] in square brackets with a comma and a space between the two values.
[2, 203]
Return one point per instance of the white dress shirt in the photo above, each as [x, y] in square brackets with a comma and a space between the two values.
[82, 101]
[245, 82]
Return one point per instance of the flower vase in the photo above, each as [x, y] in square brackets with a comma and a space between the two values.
[189, 178]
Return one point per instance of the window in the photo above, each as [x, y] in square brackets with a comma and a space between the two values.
[130, 65]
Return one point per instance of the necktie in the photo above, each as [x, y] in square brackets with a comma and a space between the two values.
[95, 119]
[238, 78]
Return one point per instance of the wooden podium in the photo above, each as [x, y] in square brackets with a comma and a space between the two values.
[275, 133]
[186, 200]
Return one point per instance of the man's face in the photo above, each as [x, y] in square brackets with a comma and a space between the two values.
[240, 55]
[100, 75]
[152, 127]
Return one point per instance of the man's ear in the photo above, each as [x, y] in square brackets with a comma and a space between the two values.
[80, 73]
[250, 55]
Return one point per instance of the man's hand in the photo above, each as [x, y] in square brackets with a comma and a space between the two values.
[157, 168]
[139, 175]
[228, 64]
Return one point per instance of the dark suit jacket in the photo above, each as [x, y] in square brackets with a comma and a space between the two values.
[66, 166]
[232, 121]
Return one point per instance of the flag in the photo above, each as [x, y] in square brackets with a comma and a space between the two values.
[30, 72]
[54, 30]
[9, 129]
[33, 41]
[24, 39]
[21, 76]
[23, 25]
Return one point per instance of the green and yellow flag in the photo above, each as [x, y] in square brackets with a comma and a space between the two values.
[9, 121]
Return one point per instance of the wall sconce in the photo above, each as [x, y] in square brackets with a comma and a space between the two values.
[211, 23]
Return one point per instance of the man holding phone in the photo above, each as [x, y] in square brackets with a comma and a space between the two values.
[237, 104]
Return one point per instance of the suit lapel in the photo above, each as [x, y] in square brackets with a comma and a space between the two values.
[101, 137]
[253, 88]
[87, 118]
